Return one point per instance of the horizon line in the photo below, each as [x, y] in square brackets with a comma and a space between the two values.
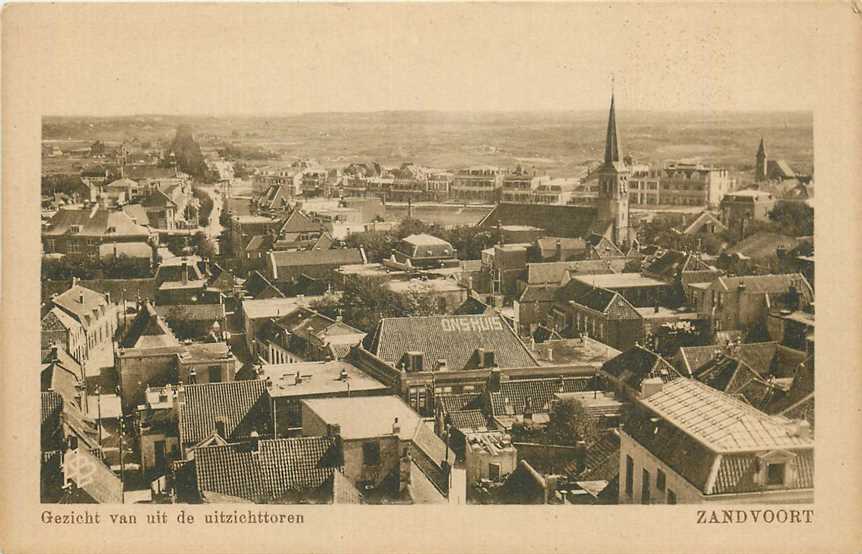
[444, 111]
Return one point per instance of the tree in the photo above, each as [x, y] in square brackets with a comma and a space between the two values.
[204, 245]
[187, 152]
[793, 218]
[377, 244]
[569, 423]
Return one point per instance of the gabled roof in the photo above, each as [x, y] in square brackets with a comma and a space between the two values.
[638, 363]
[767, 284]
[299, 222]
[271, 470]
[459, 402]
[451, 338]
[56, 320]
[158, 199]
[235, 402]
[538, 293]
[469, 420]
[473, 306]
[149, 330]
[701, 220]
[94, 222]
[139, 172]
[259, 286]
[71, 302]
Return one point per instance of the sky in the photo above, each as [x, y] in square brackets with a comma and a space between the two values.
[258, 59]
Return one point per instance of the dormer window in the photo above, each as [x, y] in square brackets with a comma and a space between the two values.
[776, 473]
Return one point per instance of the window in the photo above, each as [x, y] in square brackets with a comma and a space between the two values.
[630, 470]
[659, 480]
[370, 453]
[671, 497]
[214, 374]
[775, 474]
[645, 487]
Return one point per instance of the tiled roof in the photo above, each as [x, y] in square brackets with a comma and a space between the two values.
[468, 420]
[275, 468]
[239, 404]
[719, 421]
[556, 220]
[513, 394]
[638, 363]
[157, 199]
[603, 459]
[458, 402]
[56, 320]
[52, 405]
[736, 474]
[548, 246]
[451, 338]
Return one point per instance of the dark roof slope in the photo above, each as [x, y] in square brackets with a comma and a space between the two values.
[272, 470]
[638, 363]
[233, 402]
[451, 338]
[512, 397]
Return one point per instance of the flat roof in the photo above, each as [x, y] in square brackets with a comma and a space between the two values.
[378, 413]
[651, 313]
[318, 378]
[619, 280]
[437, 285]
[274, 307]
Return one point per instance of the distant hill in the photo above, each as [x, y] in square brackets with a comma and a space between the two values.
[557, 142]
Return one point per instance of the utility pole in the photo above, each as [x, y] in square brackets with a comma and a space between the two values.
[99, 415]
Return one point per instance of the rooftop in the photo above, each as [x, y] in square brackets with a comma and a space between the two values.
[318, 378]
[275, 307]
[618, 280]
[721, 422]
[379, 413]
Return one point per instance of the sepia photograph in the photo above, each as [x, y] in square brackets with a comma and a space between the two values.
[453, 255]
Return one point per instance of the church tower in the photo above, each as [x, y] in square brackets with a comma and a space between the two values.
[760, 167]
[613, 203]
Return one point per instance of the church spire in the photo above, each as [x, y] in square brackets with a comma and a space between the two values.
[761, 150]
[612, 146]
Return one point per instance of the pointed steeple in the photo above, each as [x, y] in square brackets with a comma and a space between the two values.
[761, 150]
[612, 146]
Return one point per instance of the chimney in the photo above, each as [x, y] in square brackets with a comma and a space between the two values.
[333, 430]
[559, 251]
[297, 379]
[494, 379]
[650, 386]
[550, 354]
[580, 456]
[342, 375]
[396, 427]
[74, 281]
[55, 352]
[184, 270]
[803, 430]
[81, 298]
[193, 376]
